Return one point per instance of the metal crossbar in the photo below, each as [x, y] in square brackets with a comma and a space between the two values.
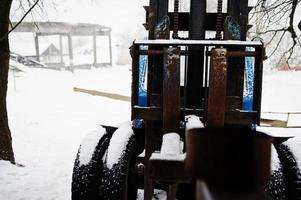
[224, 43]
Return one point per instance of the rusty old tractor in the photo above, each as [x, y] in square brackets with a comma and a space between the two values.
[193, 131]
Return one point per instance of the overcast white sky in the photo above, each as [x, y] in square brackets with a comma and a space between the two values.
[124, 16]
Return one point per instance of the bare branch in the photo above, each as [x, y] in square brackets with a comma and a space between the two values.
[21, 20]
[278, 43]
[274, 19]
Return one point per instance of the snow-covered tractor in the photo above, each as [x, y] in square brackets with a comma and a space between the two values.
[196, 104]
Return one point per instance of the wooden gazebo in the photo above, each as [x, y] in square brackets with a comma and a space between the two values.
[63, 29]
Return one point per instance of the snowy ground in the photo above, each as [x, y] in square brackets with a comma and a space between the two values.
[48, 121]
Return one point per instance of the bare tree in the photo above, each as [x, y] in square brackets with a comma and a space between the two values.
[276, 22]
[6, 150]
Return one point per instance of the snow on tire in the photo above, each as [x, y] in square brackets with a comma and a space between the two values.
[285, 182]
[119, 174]
[87, 171]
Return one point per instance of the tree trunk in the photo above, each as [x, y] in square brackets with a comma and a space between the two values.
[6, 150]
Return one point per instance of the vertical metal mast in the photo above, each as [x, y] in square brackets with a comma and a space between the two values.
[176, 20]
[219, 20]
[196, 54]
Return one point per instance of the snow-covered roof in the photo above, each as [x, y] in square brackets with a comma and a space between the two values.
[23, 43]
[62, 28]
[51, 50]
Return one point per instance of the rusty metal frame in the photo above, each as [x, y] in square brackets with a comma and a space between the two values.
[202, 92]
[224, 43]
[155, 104]
[171, 90]
[166, 106]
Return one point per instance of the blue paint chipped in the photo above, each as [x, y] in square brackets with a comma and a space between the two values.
[233, 29]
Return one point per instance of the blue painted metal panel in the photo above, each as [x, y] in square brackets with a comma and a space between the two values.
[249, 82]
[142, 91]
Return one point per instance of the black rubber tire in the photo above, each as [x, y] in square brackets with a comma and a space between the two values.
[285, 182]
[86, 178]
[96, 181]
[120, 181]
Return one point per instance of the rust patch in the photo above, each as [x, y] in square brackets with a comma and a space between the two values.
[171, 90]
[217, 88]
[173, 59]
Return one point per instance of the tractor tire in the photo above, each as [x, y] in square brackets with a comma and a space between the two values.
[285, 182]
[87, 172]
[119, 180]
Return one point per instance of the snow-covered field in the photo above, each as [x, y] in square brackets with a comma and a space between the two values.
[48, 121]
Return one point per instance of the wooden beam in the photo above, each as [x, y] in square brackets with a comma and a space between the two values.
[103, 94]
[61, 28]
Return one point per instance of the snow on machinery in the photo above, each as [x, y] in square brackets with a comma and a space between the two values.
[190, 117]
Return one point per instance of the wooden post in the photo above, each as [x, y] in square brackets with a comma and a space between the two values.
[61, 48]
[70, 48]
[36, 42]
[94, 49]
[110, 48]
